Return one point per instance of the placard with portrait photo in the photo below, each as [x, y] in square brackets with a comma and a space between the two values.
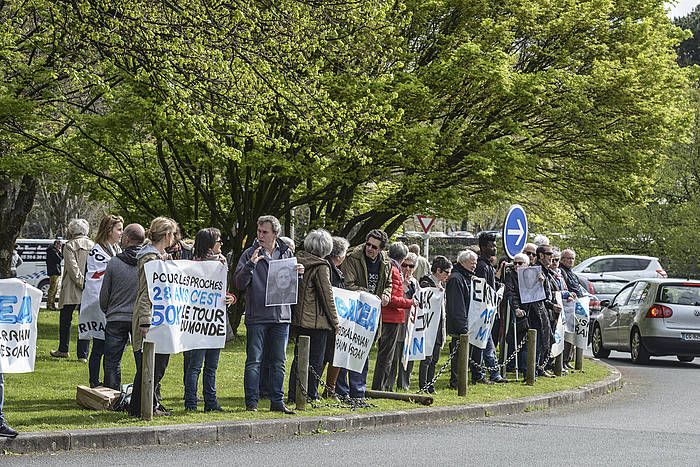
[282, 282]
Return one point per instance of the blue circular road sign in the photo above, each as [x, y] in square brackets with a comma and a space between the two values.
[514, 231]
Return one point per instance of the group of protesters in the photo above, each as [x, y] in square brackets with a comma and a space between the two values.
[112, 268]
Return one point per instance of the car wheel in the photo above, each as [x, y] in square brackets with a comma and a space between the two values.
[639, 352]
[44, 287]
[685, 359]
[597, 343]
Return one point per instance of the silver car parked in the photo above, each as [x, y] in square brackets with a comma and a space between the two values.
[650, 317]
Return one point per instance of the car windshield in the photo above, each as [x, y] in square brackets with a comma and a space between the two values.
[602, 287]
[680, 294]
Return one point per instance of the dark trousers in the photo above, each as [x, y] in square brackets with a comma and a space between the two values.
[398, 374]
[385, 356]
[317, 350]
[195, 359]
[65, 320]
[426, 371]
[95, 362]
[475, 354]
[159, 371]
[116, 337]
[352, 383]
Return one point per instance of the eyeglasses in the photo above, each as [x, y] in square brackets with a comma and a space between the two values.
[555, 260]
[369, 245]
[548, 253]
[519, 263]
[219, 241]
[531, 253]
[411, 266]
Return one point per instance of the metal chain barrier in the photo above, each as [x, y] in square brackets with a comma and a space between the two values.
[344, 402]
[431, 384]
[497, 367]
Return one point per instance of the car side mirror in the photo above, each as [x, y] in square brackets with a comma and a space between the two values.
[604, 303]
[586, 270]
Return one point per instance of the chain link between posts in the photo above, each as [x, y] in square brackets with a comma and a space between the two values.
[344, 402]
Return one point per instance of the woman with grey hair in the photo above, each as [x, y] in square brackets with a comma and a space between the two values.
[393, 318]
[315, 314]
[75, 254]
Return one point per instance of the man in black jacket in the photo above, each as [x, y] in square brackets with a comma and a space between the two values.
[54, 256]
[457, 300]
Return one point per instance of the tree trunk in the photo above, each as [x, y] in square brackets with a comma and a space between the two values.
[16, 200]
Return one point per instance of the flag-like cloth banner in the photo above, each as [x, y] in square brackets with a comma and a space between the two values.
[91, 320]
[19, 311]
[189, 309]
[558, 341]
[358, 320]
[483, 304]
[423, 325]
[577, 320]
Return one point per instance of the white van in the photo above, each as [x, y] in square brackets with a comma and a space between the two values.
[33, 267]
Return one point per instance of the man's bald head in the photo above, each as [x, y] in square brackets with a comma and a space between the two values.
[133, 235]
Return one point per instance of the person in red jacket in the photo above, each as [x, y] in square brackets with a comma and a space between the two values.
[393, 317]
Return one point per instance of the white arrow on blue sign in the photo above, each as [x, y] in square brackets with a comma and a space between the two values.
[514, 231]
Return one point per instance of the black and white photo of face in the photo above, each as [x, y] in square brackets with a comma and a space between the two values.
[284, 278]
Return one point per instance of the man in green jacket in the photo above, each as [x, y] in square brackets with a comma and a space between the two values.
[366, 268]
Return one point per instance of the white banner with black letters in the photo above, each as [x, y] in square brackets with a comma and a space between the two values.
[19, 311]
[423, 325]
[189, 309]
[91, 320]
[482, 312]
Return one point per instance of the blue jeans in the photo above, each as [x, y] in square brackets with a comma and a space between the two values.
[116, 337]
[195, 359]
[271, 336]
[2, 397]
[95, 362]
[358, 382]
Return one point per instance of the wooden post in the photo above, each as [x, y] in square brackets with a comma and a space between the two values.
[579, 359]
[531, 356]
[462, 364]
[148, 365]
[559, 364]
[303, 345]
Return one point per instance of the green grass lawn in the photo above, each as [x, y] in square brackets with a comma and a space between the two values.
[45, 400]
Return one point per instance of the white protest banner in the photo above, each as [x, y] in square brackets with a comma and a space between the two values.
[570, 322]
[282, 282]
[582, 316]
[91, 320]
[358, 319]
[189, 309]
[413, 349]
[482, 312]
[558, 342]
[430, 299]
[530, 285]
[19, 311]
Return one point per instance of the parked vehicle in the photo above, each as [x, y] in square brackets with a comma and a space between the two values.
[651, 317]
[33, 267]
[628, 267]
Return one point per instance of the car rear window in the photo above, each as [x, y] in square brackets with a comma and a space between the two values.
[602, 287]
[680, 294]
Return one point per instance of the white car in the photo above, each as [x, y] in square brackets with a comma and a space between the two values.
[33, 267]
[628, 267]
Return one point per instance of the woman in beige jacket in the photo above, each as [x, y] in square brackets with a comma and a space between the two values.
[75, 254]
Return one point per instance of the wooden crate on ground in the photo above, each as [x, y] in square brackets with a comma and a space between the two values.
[99, 398]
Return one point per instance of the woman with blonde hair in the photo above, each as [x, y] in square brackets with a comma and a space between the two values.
[75, 254]
[91, 320]
[162, 234]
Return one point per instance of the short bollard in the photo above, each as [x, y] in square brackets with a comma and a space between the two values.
[462, 362]
[303, 346]
[148, 364]
[558, 364]
[531, 356]
[579, 359]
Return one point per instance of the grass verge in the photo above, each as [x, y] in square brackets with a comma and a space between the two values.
[45, 400]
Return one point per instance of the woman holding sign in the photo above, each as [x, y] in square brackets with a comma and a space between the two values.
[315, 312]
[207, 247]
[162, 234]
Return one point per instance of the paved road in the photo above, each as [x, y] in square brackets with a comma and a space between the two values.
[652, 420]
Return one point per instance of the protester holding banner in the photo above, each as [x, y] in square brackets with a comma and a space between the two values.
[315, 314]
[457, 298]
[207, 247]
[267, 326]
[440, 271]
[410, 289]
[576, 289]
[366, 269]
[162, 234]
[117, 297]
[91, 321]
[517, 331]
[393, 318]
[543, 311]
[335, 259]
[75, 254]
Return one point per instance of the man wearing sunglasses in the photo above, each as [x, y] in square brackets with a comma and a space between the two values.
[366, 268]
[544, 312]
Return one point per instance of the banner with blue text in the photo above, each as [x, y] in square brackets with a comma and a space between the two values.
[358, 320]
[189, 309]
[19, 311]
[482, 312]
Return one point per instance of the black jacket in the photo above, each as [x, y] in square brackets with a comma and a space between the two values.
[572, 282]
[457, 297]
[486, 271]
[337, 277]
[53, 261]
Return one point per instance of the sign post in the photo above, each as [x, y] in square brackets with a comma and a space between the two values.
[514, 231]
[426, 223]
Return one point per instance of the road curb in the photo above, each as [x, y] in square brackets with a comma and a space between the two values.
[285, 427]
